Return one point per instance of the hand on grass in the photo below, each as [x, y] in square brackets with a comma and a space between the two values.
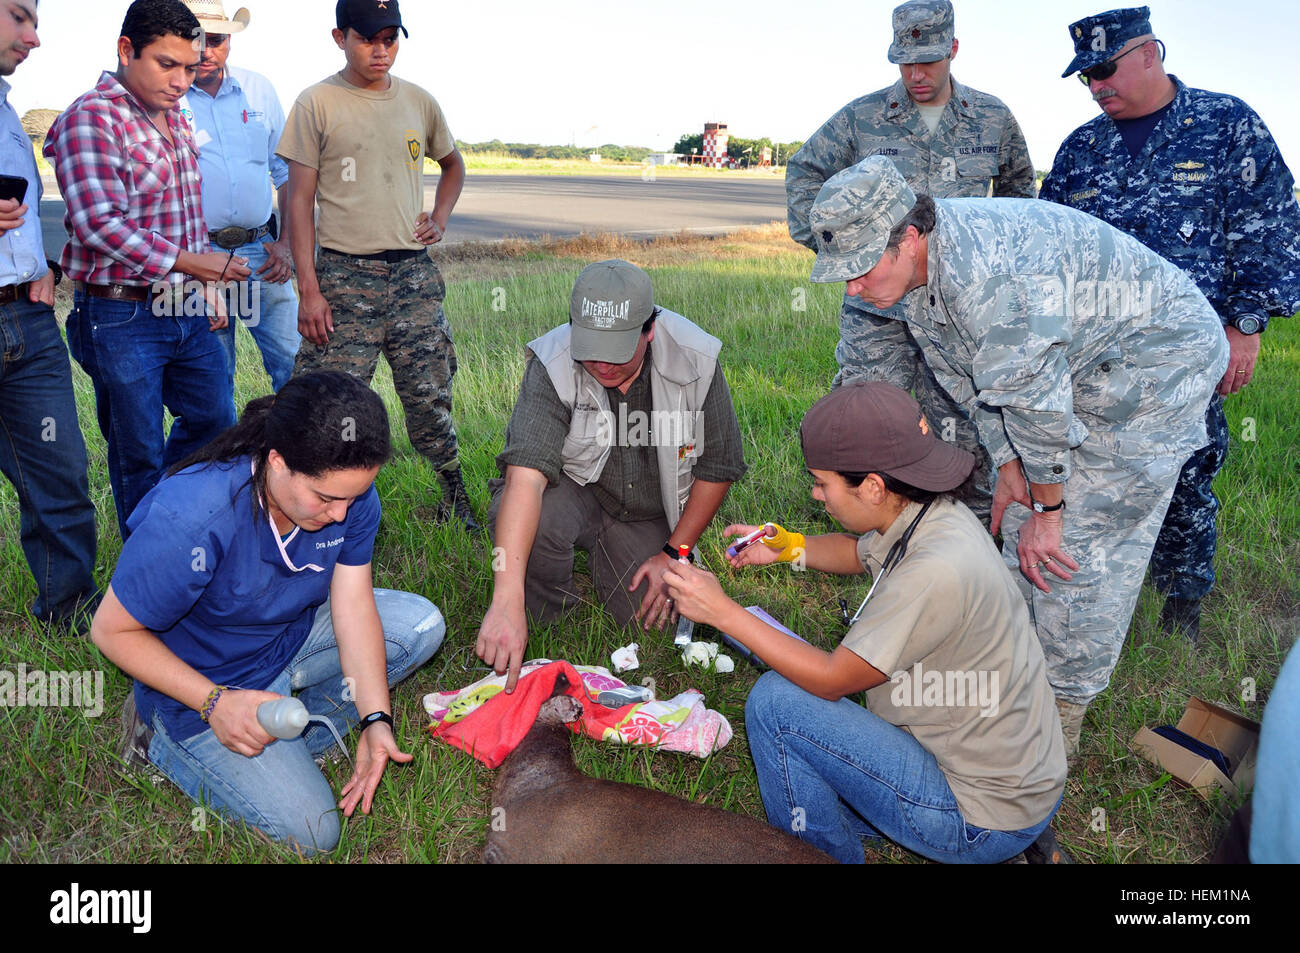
[375, 749]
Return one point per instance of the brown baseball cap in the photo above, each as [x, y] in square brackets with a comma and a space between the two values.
[874, 427]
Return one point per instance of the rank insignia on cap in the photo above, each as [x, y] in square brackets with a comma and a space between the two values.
[916, 34]
[827, 237]
[1078, 33]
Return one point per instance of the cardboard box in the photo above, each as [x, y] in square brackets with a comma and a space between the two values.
[1236, 736]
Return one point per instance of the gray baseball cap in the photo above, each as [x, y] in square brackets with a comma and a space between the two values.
[853, 215]
[610, 301]
[922, 32]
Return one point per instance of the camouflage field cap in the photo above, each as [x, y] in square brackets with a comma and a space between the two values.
[922, 32]
[853, 215]
[875, 427]
[1098, 38]
[610, 301]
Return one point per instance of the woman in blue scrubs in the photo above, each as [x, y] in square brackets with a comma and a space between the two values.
[246, 577]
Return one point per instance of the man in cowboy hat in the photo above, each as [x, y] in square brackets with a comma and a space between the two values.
[237, 120]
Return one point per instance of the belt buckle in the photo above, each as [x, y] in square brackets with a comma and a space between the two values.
[230, 237]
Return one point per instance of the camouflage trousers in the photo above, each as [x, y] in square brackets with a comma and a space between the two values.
[1182, 564]
[395, 309]
[1114, 505]
[873, 347]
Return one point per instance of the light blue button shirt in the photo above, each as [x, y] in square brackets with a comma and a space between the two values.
[22, 253]
[236, 132]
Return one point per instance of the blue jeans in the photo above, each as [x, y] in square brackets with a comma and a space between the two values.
[281, 791]
[270, 312]
[140, 363]
[833, 773]
[43, 455]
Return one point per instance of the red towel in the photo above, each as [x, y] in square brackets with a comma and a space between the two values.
[495, 729]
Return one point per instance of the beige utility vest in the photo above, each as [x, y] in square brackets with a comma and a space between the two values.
[681, 371]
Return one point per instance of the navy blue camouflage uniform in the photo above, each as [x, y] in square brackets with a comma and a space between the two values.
[1209, 192]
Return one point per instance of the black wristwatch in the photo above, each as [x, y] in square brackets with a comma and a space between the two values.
[671, 551]
[1045, 507]
[375, 716]
[1249, 323]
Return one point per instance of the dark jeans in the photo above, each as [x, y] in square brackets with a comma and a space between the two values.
[141, 362]
[43, 455]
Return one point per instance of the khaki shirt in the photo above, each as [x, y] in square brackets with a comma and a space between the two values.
[368, 150]
[949, 627]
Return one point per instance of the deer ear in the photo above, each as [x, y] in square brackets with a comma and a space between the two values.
[562, 685]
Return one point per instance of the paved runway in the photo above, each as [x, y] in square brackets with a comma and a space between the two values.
[493, 207]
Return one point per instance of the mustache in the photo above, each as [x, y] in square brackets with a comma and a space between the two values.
[1101, 94]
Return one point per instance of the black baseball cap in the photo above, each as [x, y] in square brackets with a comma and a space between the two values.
[368, 17]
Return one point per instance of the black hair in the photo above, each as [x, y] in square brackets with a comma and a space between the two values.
[962, 493]
[921, 217]
[147, 20]
[318, 422]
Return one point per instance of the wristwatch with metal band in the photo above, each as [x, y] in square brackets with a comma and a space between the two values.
[1249, 323]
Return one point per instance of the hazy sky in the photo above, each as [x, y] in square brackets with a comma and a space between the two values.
[643, 73]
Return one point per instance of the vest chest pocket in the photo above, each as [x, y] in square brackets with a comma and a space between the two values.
[591, 435]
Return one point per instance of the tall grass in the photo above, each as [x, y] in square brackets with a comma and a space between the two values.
[69, 800]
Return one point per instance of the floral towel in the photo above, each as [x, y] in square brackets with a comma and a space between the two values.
[482, 720]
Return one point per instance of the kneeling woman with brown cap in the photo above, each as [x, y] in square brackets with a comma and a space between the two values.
[958, 753]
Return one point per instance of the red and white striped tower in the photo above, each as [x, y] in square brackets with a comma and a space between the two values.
[715, 145]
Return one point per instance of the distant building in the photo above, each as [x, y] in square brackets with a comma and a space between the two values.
[664, 158]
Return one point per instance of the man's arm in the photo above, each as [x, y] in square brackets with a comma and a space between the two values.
[279, 253]
[1262, 241]
[315, 322]
[91, 168]
[431, 226]
[1015, 178]
[504, 631]
[830, 150]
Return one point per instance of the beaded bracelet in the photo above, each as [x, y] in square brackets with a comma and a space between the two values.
[211, 702]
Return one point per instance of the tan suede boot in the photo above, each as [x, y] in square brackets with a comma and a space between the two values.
[1071, 726]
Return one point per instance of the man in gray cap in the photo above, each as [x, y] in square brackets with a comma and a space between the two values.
[1195, 176]
[1084, 358]
[623, 442]
[947, 140]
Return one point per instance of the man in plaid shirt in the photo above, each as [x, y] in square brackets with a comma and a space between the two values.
[128, 170]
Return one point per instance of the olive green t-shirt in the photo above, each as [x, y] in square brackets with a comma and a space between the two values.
[949, 628]
[368, 150]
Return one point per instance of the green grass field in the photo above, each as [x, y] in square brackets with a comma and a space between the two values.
[68, 799]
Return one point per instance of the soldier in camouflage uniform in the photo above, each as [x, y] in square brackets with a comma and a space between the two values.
[1195, 176]
[947, 140]
[357, 142]
[1086, 362]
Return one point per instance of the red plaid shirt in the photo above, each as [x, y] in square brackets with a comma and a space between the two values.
[133, 200]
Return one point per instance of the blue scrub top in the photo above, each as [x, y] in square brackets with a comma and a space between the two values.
[206, 575]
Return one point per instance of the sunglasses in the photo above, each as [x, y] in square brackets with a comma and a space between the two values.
[1107, 69]
[215, 39]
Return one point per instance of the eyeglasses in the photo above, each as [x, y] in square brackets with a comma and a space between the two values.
[1107, 69]
[215, 39]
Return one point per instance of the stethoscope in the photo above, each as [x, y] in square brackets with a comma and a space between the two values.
[892, 559]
